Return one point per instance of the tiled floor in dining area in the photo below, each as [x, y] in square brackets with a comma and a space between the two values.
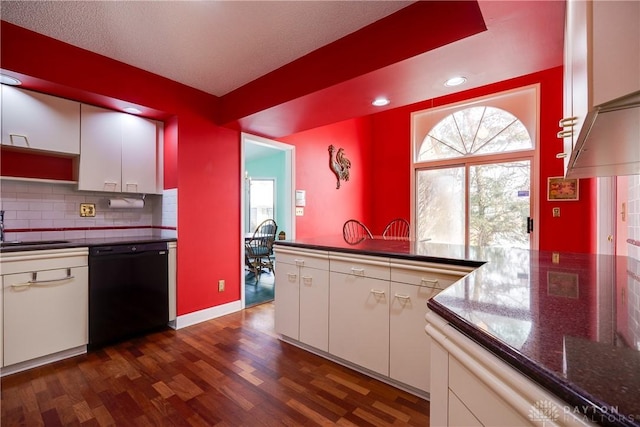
[260, 291]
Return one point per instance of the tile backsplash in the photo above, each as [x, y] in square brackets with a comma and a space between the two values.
[44, 211]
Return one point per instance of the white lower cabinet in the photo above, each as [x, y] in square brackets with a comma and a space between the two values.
[472, 387]
[412, 285]
[302, 298]
[359, 320]
[362, 309]
[409, 346]
[45, 303]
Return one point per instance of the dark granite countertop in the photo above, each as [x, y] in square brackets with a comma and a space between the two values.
[570, 322]
[79, 243]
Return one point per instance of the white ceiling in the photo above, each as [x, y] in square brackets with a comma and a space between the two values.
[214, 46]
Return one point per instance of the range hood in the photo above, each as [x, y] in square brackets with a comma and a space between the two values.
[609, 141]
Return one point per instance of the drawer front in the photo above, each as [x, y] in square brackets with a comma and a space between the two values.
[302, 258]
[45, 317]
[375, 268]
[434, 277]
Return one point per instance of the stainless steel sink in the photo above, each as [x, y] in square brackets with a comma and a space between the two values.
[31, 243]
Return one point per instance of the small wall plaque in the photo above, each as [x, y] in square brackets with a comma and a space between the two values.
[87, 209]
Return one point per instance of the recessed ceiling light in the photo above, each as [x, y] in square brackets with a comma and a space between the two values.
[6, 80]
[455, 81]
[132, 110]
[380, 102]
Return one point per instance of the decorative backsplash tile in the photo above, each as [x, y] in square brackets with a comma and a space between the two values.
[43, 210]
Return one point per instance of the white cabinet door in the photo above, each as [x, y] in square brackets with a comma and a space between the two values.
[118, 152]
[601, 58]
[314, 307]
[36, 121]
[47, 317]
[287, 299]
[100, 158]
[359, 320]
[409, 345]
[138, 154]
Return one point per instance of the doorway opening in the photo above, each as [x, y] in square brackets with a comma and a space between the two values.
[267, 185]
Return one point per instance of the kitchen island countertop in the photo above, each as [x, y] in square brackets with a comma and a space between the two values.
[568, 321]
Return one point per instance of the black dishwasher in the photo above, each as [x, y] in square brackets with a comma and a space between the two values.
[128, 291]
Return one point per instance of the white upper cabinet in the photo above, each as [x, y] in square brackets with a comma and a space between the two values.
[602, 61]
[35, 121]
[119, 152]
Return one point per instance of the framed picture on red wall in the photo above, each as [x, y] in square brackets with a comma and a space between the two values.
[560, 188]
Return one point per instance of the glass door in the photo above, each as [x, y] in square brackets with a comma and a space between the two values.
[475, 204]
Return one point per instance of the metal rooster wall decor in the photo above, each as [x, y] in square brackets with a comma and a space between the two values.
[339, 165]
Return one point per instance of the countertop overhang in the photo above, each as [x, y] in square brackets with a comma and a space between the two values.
[568, 321]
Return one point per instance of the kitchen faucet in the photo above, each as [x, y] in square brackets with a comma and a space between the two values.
[1, 226]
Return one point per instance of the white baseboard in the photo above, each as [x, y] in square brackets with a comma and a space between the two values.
[207, 314]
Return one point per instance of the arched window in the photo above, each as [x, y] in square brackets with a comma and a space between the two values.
[474, 131]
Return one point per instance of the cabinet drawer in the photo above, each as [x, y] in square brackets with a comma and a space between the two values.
[431, 275]
[45, 317]
[302, 258]
[375, 268]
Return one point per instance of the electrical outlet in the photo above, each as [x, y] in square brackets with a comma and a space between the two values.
[299, 211]
[220, 285]
[87, 209]
[556, 212]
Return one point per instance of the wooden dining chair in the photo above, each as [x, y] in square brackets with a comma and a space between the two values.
[397, 229]
[354, 232]
[259, 248]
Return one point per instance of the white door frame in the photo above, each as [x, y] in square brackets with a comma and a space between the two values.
[288, 197]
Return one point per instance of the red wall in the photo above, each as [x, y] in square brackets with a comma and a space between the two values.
[383, 191]
[203, 160]
[204, 165]
[327, 207]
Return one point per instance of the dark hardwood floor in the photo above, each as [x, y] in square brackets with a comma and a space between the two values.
[230, 371]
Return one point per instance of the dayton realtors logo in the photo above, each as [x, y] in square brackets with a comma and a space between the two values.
[544, 411]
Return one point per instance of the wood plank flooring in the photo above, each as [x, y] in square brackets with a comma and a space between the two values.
[230, 371]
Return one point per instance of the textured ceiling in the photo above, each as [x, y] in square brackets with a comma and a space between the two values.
[214, 46]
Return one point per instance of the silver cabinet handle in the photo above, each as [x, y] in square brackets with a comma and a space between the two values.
[561, 155]
[433, 282]
[298, 261]
[568, 121]
[400, 296]
[292, 276]
[26, 139]
[307, 280]
[34, 280]
[564, 133]
[358, 271]
[377, 292]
